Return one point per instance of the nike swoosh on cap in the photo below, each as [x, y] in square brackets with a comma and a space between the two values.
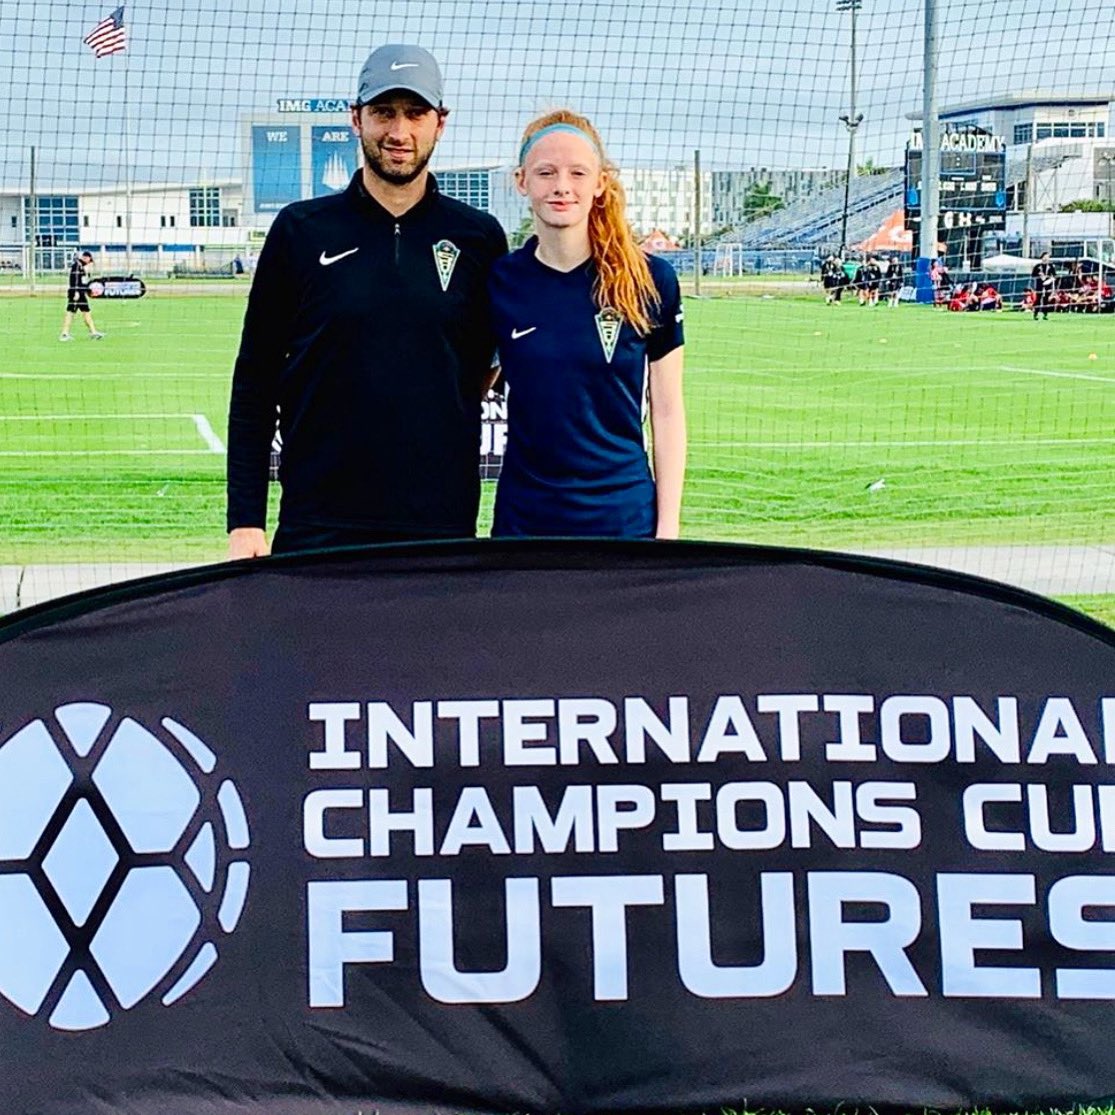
[404, 65]
[517, 333]
[326, 260]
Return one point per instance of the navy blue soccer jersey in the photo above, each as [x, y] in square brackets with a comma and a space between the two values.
[576, 461]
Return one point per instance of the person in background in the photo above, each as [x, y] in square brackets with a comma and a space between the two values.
[942, 283]
[962, 297]
[1044, 280]
[1088, 295]
[833, 278]
[868, 278]
[893, 278]
[860, 280]
[587, 326]
[990, 298]
[1073, 289]
[77, 298]
[368, 333]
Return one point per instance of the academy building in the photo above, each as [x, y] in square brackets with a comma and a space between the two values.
[1059, 150]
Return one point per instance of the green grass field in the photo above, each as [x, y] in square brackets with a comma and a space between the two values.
[982, 429]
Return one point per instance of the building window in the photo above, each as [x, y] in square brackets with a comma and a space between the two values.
[1024, 133]
[172, 220]
[1061, 129]
[85, 221]
[162, 222]
[56, 219]
[470, 186]
[228, 218]
[14, 222]
[119, 222]
[1100, 129]
[1045, 131]
[1078, 131]
[205, 207]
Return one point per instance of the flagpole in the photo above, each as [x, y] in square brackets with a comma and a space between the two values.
[109, 37]
[127, 168]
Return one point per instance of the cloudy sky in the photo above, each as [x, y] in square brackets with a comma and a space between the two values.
[748, 84]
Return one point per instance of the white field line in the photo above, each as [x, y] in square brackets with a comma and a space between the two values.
[208, 434]
[201, 423]
[1056, 375]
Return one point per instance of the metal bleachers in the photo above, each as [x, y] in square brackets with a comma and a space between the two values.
[815, 221]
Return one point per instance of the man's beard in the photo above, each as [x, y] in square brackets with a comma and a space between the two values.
[373, 161]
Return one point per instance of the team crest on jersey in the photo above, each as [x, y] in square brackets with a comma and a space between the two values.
[608, 324]
[446, 254]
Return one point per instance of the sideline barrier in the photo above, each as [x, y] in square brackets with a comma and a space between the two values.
[117, 286]
[555, 827]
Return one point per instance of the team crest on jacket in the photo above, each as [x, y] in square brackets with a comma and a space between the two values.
[446, 254]
[608, 324]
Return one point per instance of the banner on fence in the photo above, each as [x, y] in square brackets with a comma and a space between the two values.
[548, 827]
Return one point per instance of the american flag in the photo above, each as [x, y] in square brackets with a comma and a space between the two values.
[108, 36]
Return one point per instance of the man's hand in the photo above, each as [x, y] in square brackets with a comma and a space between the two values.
[247, 542]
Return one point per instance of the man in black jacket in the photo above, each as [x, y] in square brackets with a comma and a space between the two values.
[367, 332]
[1044, 279]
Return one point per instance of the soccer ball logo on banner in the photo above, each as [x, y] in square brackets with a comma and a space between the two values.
[120, 864]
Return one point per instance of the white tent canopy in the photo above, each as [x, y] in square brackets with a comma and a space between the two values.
[1004, 262]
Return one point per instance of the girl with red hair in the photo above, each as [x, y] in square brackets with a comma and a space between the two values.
[589, 329]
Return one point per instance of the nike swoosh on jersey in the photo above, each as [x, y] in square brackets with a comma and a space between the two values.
[403, 65]
[326, 260]
[517, 333]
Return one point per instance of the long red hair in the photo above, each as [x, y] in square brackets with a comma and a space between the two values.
[623, 281]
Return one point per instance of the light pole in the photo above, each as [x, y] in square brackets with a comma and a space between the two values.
[851, 120]
[930, 161]
[851, 123]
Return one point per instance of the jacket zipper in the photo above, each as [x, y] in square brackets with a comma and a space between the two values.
[398, 237]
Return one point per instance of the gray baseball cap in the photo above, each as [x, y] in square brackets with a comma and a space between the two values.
[400, 66]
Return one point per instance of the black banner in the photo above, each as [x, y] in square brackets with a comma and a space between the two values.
[117, 286]
[493, 438]
[555, 828]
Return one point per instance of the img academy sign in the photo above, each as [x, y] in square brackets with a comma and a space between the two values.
[313, 104]
[558, 827]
